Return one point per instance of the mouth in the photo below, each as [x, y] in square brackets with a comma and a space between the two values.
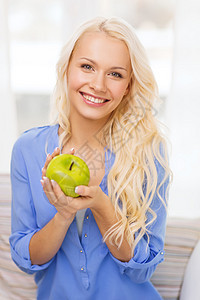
[93, 99]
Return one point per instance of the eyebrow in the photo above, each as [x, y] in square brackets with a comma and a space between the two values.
[112, 68]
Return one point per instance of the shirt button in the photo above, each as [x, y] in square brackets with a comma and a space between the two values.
[87, 217]
[162, 253]
[81, 251]
[85, 235]
[82, 269]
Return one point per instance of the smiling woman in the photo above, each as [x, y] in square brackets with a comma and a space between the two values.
[91, 79]
[104, 97]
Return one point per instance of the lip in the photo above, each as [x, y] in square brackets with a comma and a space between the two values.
[92, 103]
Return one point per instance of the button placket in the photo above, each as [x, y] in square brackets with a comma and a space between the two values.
[83, 250]
[85, 233]
[82, 261]
[83, 269]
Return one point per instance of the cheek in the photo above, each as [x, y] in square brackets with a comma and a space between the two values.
[118, 91]
[76, 80]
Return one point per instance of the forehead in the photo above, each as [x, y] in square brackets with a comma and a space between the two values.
[101, 47]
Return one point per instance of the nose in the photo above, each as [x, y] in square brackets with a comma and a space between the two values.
[98, 82]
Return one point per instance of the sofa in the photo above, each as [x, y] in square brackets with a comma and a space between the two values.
[175, 278]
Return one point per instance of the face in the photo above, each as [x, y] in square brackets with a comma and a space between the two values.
[98, 75]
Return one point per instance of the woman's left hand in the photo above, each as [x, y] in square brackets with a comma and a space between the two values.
[92, 196]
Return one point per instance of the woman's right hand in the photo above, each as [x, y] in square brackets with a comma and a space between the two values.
[53, 192]
[48, 159]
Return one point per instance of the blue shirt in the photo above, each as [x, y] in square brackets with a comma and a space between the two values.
[83, 268]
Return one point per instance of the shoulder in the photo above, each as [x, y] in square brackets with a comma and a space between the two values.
[35, 137]
[38, 132]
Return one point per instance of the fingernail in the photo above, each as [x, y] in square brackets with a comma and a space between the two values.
[76, 189]
[56, 149]
[42, 182]
[53, 182]
[72, 149]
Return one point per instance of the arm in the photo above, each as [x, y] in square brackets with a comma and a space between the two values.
[105, 219]
[32, 248]
[103, 211]
[147, 255]
[23, 214]
[45, 243]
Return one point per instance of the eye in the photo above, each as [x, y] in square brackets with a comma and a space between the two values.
[86, 67]
[116, 74]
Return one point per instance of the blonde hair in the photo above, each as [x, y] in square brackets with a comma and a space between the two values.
[141, 143]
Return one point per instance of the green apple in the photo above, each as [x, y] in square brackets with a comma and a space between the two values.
[68, 171]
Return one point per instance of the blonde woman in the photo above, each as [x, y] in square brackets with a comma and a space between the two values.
[106, 243]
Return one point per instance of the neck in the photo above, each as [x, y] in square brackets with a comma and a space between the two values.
[85, 131]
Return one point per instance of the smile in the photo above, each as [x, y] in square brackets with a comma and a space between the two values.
[93, 99]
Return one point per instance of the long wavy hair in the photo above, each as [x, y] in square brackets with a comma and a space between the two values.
[131, 132]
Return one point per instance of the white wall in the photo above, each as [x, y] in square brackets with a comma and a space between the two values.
[7, 112]
[183, 111]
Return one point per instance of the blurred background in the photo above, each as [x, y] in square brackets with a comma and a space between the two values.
[31, 36]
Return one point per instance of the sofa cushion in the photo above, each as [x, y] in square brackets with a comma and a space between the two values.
[181, 237]
[14, 284]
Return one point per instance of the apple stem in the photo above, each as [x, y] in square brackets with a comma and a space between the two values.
[71, 166]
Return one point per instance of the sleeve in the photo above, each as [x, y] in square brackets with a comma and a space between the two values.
[147, 255]
[23, 216]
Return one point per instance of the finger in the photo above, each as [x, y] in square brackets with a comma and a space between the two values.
[47, 187]
[62, 199]
[86, 191]
[51, 156]
[48, 159]
[57, 190]
[43, 173]
[72, 151]
[55, 152]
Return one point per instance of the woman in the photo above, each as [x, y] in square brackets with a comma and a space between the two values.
[106, 243]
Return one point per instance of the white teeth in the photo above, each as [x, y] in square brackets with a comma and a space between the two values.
[92, 99]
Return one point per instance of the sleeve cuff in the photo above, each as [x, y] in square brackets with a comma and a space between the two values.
[21, 256]
[132, 264]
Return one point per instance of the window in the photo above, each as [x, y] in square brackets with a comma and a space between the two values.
[38, 29]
